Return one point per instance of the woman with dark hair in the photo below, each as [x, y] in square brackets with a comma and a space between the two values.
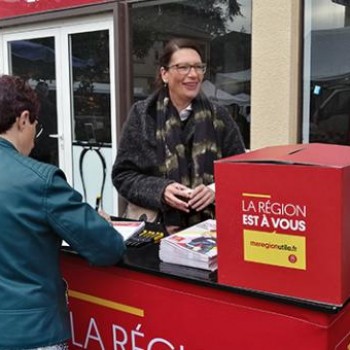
[166, 155]
[39, 209]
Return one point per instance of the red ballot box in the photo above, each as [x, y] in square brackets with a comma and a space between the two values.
[283, 221]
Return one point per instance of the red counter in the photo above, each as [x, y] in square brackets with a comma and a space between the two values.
[118, 308]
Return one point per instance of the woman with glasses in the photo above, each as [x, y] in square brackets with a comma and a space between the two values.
[39, 209]
[165, 159]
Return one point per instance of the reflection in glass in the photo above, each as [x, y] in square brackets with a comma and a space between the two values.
[91, 87]
[223, 31]
[91, 115]
[327, 73]
[34, 60]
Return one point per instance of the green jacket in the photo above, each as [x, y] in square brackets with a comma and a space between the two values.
[37, 210]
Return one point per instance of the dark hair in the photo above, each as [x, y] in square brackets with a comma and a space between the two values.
[16, 96]
[172, 46]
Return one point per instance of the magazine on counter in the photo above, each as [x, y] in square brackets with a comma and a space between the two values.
[194, 246]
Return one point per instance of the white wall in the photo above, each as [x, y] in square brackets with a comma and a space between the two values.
[276, 37]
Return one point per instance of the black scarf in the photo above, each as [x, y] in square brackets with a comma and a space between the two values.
[187, 152]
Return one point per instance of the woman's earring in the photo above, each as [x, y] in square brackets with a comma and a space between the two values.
[165, 83]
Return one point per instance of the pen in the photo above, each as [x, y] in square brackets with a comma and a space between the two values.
[97, 203]
[158, 237]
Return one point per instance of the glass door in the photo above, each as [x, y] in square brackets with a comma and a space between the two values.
[34, 59]
[91, 110]
[70, 67]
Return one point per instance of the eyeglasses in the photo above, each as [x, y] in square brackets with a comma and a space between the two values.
[39, 130]
[186, 68]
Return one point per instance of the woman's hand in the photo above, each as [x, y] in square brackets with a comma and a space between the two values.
[201, 197]
[177, 195]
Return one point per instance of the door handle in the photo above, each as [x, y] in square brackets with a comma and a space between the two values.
[56, 136]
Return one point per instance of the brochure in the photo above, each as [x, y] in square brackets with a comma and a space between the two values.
[194, 247]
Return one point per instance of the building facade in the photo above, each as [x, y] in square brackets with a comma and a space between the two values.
[90, 60]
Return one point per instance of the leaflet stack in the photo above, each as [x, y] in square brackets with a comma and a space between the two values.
[194, 247]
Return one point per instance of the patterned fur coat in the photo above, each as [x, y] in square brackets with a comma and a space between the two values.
[136, 174]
